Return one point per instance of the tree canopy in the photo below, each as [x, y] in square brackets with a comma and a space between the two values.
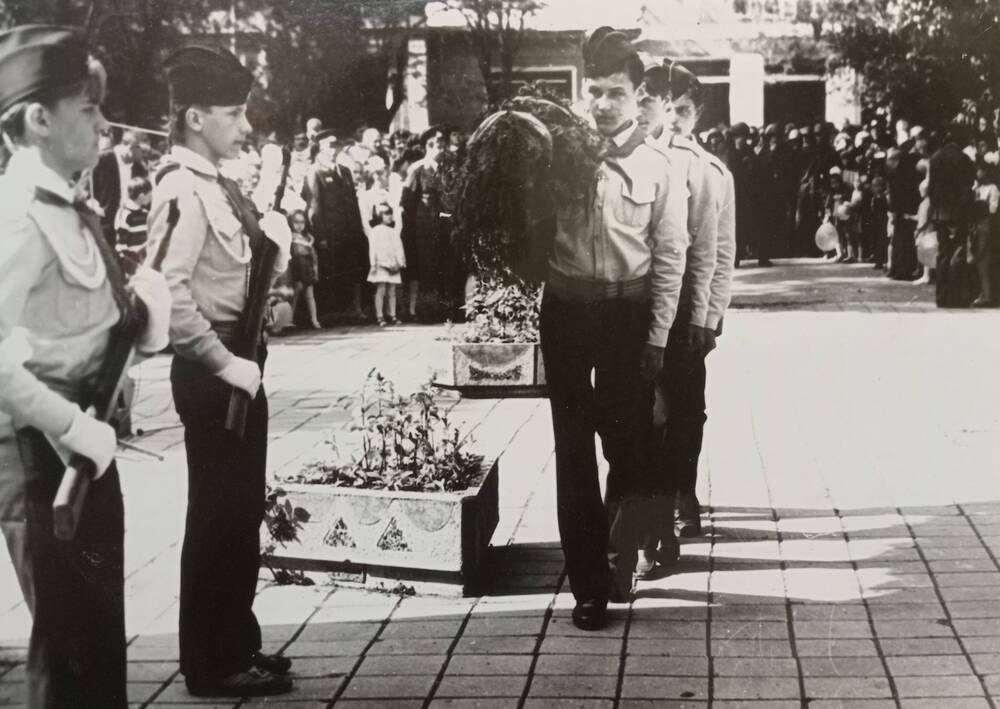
[332, 59]
[925, 60]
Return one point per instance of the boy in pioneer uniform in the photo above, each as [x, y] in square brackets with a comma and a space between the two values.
[614, 273]
[62, 294]
[207, 263]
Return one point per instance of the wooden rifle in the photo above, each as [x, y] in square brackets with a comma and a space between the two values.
[67, 507]
[251, 322]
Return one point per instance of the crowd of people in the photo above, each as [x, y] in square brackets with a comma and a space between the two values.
[873, 184]
[869, 183]
[365, 210]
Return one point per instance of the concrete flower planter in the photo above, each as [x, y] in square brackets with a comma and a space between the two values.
[498, 369]
[385, 535]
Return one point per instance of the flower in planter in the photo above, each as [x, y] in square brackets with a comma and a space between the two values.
[407, 444]
[503, 308]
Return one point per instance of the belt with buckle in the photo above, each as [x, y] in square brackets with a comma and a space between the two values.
[587, 290]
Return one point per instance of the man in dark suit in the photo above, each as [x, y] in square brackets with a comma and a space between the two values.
[950, 176]
[336, 220]
[115, 168]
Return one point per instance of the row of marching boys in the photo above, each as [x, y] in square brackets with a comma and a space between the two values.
[637, 285]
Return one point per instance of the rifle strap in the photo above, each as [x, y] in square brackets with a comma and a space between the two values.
[244, 211]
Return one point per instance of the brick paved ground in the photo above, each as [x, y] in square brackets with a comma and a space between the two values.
[851, 480]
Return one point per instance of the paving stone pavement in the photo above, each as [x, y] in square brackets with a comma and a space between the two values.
[851, 529]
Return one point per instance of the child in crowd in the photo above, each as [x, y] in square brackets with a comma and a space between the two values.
[985, 228]
[860, 197]
[923, 226]
[130, 224]
[304, 264]
[838, 210]
[385, 249]
[876, 222]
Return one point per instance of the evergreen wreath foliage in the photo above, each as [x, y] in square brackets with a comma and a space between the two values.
[522, 164]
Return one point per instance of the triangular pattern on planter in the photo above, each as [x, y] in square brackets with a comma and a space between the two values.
[392, 538]
[339, 536]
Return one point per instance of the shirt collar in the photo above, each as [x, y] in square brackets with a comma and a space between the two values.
[661, 141]
[623, 135]
[185, 157]
[27, 168]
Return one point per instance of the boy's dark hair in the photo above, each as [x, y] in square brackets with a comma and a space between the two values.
[178, 124]
[137, 187]
[609, 52]
[656, 79]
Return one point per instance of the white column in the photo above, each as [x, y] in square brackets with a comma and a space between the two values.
[412, 114]
[843, 87]
[746, 89]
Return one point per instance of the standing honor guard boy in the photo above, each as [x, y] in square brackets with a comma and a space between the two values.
[702, 182]
[614, 274]
[207, 260]
[671, 101]
[62, 295]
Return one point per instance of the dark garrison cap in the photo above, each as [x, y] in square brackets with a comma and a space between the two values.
[199, 76]
[606, 51]
[682, 81]
[37, 58]
[656, 79]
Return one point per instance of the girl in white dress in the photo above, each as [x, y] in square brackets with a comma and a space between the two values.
[385, 253]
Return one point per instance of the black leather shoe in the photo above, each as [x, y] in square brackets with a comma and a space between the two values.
[275, 664]
[647, 564]
[251, 683]
[689, 514]
[591, 615]
[669, 550]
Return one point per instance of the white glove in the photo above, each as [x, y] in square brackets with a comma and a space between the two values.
[151, 288]
[242, 374]
[275, 227]
[92, 439]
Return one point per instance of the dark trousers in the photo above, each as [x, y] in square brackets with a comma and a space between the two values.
[683, 383]
[904, 250]
[952, 273]
[605, 338]
[75, 590]
[220, 558]
[677, 446]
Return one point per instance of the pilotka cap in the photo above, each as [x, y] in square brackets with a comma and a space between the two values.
[39, 58]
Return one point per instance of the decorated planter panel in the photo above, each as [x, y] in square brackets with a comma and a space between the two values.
[501, 364]
[442, 536]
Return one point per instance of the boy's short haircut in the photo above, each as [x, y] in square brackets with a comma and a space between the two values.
[656, 81]
[137, 187]
[608, 52]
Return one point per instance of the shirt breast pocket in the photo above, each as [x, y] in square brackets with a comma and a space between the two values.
[230, 247]
[635, 206]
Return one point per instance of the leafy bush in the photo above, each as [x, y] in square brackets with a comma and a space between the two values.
[283, 523]
[408, 444]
